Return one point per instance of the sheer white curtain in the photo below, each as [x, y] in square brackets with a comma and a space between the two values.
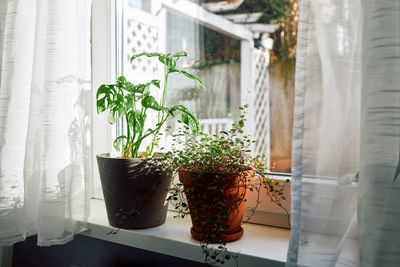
[379, 200]
[44, 119]
[346, 135]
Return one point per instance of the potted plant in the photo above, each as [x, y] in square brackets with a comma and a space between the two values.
[215, 175]
[134, 183]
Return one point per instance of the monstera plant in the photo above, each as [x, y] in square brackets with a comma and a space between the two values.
[134, 182]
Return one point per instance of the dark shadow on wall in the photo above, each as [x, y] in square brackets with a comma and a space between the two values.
[89, 252]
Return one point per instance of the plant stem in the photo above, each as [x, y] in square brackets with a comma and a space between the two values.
[137, 144]
[164, 96]
[160, 113]
[128, 131]
[126, 154]
[152, 132]
[134, 124]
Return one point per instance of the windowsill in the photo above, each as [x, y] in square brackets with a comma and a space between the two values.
[259, 246]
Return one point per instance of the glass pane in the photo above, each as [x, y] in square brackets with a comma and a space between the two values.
[217, 67]
[281, 71]
[214, 39]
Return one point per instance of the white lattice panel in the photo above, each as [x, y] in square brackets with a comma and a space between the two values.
[261, 103]
[141, 37]
[141, 34]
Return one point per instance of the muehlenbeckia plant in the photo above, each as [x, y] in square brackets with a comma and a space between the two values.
[223, 154]
[131, 102]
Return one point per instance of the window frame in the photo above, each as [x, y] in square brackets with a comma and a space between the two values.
[105, 69]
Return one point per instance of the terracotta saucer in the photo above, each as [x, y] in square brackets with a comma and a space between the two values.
[227, 238]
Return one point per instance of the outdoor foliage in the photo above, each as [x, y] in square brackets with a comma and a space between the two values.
[125, 100]
[273, 10]
[285, 38]
[219, 48]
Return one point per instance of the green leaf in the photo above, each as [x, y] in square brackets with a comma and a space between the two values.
[130, 117]
[180, 54]
[119, 99]
[145, 54]
[103, 89]
[121, 80]
[170, 63]
[103, 97]
[118, 140]
[150, 102]
[146, 89]
[136, 121]
[143, 88]
[113, 117]
[101, 105]
[130, 87]
[130, 99]
[190, 76]
[162, 59]
[156, 83]
[186, 117]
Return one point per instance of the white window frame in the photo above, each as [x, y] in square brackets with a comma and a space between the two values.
[104, 70]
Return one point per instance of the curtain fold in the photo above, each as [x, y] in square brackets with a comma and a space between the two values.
[346, 135]
[44, 119]
[379, 198]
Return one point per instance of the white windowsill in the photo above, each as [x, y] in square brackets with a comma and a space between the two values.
[259, 246]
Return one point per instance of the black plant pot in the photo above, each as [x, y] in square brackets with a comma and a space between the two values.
[134, 191]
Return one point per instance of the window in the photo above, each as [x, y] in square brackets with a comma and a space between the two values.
[244, 53]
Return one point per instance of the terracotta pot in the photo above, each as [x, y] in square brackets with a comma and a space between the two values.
[134, 191]
[202, 209]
